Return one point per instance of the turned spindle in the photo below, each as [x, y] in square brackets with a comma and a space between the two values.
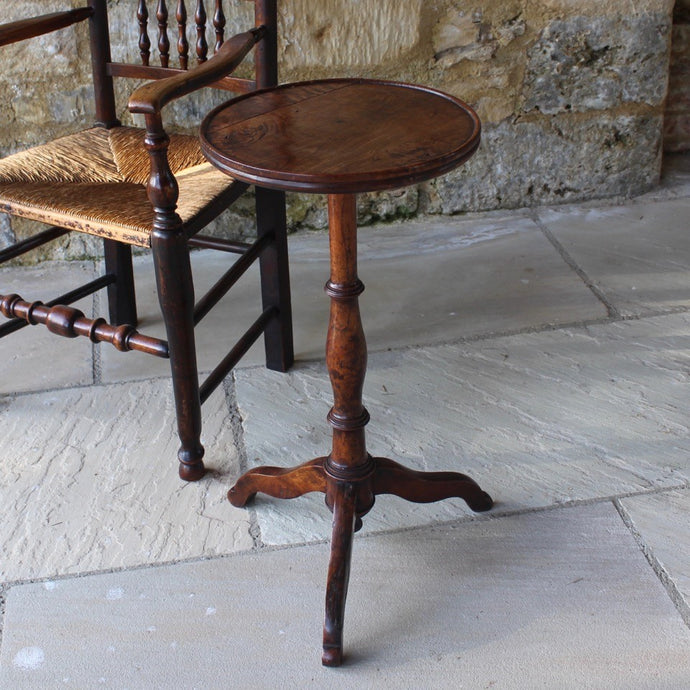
[144, 40]
[182, 42]
[200, 21]
[69, 322]
[163, 40]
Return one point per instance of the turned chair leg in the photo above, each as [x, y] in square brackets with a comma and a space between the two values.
[176, 296]
[121, 297]
[275, 278]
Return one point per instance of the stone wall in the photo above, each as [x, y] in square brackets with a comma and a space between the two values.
[571, 92]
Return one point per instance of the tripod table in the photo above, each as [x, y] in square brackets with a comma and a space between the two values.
[341, 137]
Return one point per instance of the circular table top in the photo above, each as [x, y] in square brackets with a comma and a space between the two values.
[340, 135]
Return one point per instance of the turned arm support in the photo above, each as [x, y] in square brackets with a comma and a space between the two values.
[151, 98]
[37, 26]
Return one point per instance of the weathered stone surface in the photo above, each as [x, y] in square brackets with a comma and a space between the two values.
[479, 54]
[90, 482]
[553, 161]
[465, 35]
[341, 34]
[660, 521]
[31, 105]
[589, 63]
[603, 7]
[640, 271]
[562, 599]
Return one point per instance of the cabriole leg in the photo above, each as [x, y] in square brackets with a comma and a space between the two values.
[343, 498]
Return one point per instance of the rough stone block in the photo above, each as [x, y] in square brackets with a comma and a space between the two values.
[568, 159]
[342, 34]
[463, 34]
[598, 63]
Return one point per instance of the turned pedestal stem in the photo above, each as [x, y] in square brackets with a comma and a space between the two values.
[348, 467]
[346, 349]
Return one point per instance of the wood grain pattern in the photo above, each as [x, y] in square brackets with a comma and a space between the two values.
[349, 476]
[340, 136]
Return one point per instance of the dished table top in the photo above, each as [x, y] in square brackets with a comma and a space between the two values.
[340, 135]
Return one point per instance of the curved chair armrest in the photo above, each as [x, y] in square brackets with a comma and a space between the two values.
[37, 26]
[152, 97]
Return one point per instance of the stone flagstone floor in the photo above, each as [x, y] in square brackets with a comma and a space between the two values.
[544, 352]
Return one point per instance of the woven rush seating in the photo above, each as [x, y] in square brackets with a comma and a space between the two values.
[95, 182]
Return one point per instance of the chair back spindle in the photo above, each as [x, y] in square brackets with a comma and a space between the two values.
[186, 34]
[163, 40]
[144, 41]
[182, 42]
[200, 27]
[200, 20]
[219, 25]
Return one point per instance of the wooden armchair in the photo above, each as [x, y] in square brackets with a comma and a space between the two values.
[143, 188]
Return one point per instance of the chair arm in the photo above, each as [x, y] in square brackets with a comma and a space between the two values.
[37, 26]
[153, 96]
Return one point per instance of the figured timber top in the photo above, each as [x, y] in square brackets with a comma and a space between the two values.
[340, 136]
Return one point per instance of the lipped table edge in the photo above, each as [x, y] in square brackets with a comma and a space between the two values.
[394, 178]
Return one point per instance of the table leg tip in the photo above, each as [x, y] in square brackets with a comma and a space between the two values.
[238, 499]
[482, 503]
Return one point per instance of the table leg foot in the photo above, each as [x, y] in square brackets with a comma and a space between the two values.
[344, 499]
[428, 487]
[279, 482]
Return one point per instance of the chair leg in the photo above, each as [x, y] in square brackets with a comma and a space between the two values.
[176, 296]
[121, 297]
[275, 278]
